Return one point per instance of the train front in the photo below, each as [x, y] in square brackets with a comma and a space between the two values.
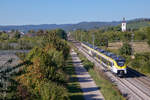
[121, 67]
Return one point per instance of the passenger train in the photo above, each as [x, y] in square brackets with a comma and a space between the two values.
[116, 64]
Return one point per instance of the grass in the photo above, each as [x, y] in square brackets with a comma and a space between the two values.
[139, 47]
[75, 93]
[109, 91]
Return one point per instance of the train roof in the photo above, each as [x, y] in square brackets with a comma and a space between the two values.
[105, 52]
[95, 47]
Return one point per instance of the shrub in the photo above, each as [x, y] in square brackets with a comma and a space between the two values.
[142, 62]
[140, 36]
[52, 91]
[135, 64]
[126, 49]
[104, 41]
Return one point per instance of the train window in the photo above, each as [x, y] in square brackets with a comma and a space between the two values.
[111, 64]
[94, 53]
[99, 57]
[105, 61]
[102, 59]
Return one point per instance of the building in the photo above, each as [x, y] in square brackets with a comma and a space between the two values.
[124, 25]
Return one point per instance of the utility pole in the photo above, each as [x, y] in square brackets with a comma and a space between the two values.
[93, 40]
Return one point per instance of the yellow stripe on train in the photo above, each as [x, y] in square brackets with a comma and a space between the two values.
[110, 59]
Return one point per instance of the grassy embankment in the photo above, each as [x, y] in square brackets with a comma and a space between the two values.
[109, 91]
[75, 93]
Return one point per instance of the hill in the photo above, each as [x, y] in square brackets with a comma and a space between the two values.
[136, 23]
[67, 27]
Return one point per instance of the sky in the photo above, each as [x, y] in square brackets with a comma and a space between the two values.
[25, 12]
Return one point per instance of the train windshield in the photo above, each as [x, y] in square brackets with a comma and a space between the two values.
[120, 62]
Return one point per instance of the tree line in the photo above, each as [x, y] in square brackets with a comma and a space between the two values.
[15, 40]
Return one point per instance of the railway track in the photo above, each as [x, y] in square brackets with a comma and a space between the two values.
[138, 93]
[145, 80]
[133, 89]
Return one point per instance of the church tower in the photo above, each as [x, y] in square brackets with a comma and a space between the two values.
[124, 25]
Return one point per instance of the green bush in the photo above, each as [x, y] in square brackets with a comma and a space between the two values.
[136, 64]
[104, 41]
[52, 91]
[140, 36]
[126, 49]
[4, 36]
[142, 62]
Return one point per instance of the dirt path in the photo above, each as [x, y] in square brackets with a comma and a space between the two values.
[88, 86]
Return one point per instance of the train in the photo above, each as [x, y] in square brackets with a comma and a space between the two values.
[116, 64]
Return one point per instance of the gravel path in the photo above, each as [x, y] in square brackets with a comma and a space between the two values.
[88, 86]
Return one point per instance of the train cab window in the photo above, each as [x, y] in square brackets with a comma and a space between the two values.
[120, 62]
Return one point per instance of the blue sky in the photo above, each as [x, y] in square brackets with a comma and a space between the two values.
[21, 12]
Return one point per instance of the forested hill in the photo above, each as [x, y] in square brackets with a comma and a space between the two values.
[82, 25]
[136, 23]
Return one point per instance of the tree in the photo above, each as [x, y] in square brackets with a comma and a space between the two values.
[104, 41]
[31, 31]
[4, 36]
[12, 31]
[140, 35]
[17, 35]
[126, 49]
[61, 33]
[40, 32]
[127, 36]
[45, 73]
